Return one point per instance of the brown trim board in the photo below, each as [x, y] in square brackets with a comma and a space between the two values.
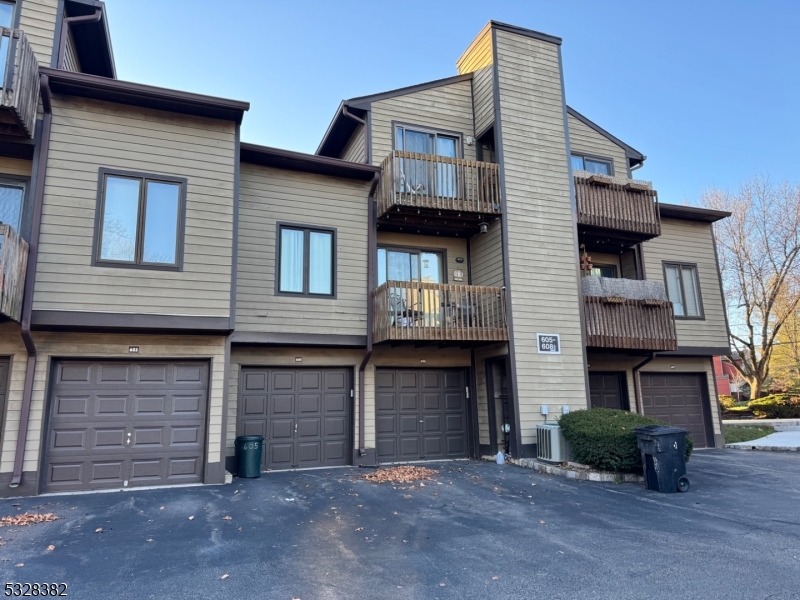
[54, 320]
[146, 96]
[307, 163]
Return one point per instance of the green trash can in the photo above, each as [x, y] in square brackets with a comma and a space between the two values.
[248, 455]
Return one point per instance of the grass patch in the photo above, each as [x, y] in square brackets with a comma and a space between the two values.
[734, 433]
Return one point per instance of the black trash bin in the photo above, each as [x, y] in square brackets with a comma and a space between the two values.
[248, 455]
[663, 457]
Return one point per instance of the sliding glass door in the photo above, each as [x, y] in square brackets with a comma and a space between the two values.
[426, 177]
[412, 303]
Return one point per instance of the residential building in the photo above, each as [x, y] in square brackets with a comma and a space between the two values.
[459, 261]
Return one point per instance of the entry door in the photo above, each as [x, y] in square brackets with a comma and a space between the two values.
[303, 414]
[430, 178]
[607, 390]
[420, 414]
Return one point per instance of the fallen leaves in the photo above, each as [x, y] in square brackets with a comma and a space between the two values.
[227, 518]
[18, 565]
[27, 519]
[495, 578]
[50, 548]
[191, 518]
[225, 576]
[160, 508]
[99, 530]
[400, 474]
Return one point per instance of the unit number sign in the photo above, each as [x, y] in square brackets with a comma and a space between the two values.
[549, 343]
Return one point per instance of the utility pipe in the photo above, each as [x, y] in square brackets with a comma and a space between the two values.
[30, 274]
[637, 391]
[65, 23]
[372, 250]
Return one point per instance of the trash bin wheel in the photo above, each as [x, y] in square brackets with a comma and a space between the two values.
[683, 484]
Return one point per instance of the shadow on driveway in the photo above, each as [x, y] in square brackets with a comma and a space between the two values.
[478, 531]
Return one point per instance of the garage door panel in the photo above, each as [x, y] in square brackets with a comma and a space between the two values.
[415, 417]
[306, 413]
[678, 399]
[115, 422]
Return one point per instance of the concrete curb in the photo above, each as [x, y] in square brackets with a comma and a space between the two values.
[579, 474]
[739, 446]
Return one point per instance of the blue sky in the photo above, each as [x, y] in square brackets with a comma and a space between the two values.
[708, 90]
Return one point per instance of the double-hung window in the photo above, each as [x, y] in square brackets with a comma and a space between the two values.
[306, 260]
[683, 290]
[599, 166]
[140, 221]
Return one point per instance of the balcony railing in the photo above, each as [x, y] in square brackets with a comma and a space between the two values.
[19, 84]
[628, 314]
[438, 183]
[422, 311]
[13, 261]
[618, 204]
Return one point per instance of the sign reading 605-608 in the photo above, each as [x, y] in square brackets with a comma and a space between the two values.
[549, 343]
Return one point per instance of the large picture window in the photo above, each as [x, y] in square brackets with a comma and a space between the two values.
[306, 260]
[140, 220]
[683, 290]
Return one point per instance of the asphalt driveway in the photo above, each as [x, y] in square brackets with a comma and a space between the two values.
[479, 531]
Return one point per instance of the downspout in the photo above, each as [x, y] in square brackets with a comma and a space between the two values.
[637, 391]
[350, 115]
[65, 23]
[371, 258]
[30, 274]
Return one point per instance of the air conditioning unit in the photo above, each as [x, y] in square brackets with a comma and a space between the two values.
[550, 443]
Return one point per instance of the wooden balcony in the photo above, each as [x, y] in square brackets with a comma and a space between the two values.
[620, 207]
[435, 191]
[13, 262]
[626, 314]
[19, 84]
[434, 312]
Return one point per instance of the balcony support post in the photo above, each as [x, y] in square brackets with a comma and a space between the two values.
[30, 274]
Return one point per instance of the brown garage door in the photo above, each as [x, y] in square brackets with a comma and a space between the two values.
[680, 399]
[125, 424]
[420, 414]
[303, 414]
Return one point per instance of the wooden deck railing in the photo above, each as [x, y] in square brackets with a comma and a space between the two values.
[611, 204]
[19, 84]
[439, 312]
[13, 261]
[628, 315]
[432, 182]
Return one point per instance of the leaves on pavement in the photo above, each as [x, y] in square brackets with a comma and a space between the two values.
[27, 519]
[400, 474]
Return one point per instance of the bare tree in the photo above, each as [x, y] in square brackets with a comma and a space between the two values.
[759, 252]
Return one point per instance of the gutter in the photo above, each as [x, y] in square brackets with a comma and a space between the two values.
[372, 243]
[637, 387]
[30, 275]
[65, 23]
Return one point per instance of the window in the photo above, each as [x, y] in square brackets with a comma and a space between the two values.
[306, 260]
[6, 20]
[683, 290]
[11, 199]
[419, 176]
[397, 264]
[600, 166]
[604, 271]
[140, 220]
[6, 13]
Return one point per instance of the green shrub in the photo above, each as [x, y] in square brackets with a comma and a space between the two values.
[603, 438]
[726, 401]
[777, 406]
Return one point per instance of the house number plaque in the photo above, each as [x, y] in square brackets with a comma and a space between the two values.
[549, 343]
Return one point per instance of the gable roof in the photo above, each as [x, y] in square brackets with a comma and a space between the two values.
[634, 156]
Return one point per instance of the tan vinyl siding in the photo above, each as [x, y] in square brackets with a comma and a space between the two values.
[541, 232]
[447, 107]
[478, 54]
[11, 346]
[482, 389]
[483, 98]
[599, 259]
[107, 346]
[691, 242]
[87, 135]
[268, 196]
[71, 61]
[15, 166]
[621, 362]
[454, 247]
[486, 253]
[38, 21]
[356, 150]
[585, 140]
